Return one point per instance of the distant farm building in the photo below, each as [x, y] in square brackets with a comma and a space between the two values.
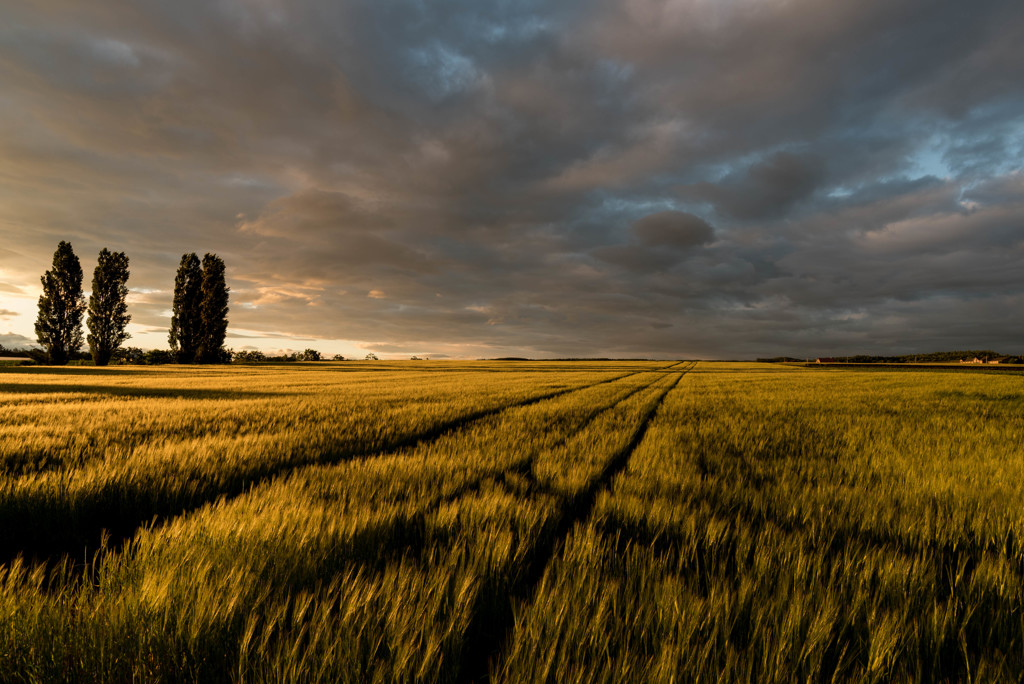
[825, 359]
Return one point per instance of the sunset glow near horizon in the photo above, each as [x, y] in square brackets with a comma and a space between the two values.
[676, 179]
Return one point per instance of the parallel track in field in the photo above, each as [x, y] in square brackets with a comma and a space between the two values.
[526, 465]
[407, 535]
[117, 522]
[492, 627]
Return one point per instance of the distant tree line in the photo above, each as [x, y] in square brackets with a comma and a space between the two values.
[931, 357]
[255, 356]
[260, 357]
[198, 324]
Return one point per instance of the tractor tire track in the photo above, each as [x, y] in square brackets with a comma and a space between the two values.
[526, 465]
[408, 537]
[110, 516]
[492, 626]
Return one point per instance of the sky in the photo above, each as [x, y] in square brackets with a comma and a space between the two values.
[549, 178]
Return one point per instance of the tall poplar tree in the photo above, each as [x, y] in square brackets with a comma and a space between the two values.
[59, 324]
[186, 316]
[213, 311]
[108, 308]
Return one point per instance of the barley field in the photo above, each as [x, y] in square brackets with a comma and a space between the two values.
[511, 522]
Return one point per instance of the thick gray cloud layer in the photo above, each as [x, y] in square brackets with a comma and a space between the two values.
[724, 178]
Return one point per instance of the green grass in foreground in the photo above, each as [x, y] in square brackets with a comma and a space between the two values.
[740, 522]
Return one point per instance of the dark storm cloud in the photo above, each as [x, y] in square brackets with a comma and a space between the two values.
[766, 190]
[672, 229]
[657, 241]
[626, 177]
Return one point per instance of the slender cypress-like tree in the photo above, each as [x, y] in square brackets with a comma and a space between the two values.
[108, 310]
[186, 316]
[59, 325]
[214, 310]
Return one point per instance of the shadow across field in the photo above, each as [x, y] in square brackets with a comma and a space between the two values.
[38, 530]
[405, 535]
[83, 370]
[120, 391]
[958, 395]
[739, 371]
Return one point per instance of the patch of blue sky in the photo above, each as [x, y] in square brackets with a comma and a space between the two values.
[440, 71]
[930, 159]
[1014, 145]
[621, 211]
[520, 30]
[716, 173]
[990, 143]
[840, 192]
[637, 206]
